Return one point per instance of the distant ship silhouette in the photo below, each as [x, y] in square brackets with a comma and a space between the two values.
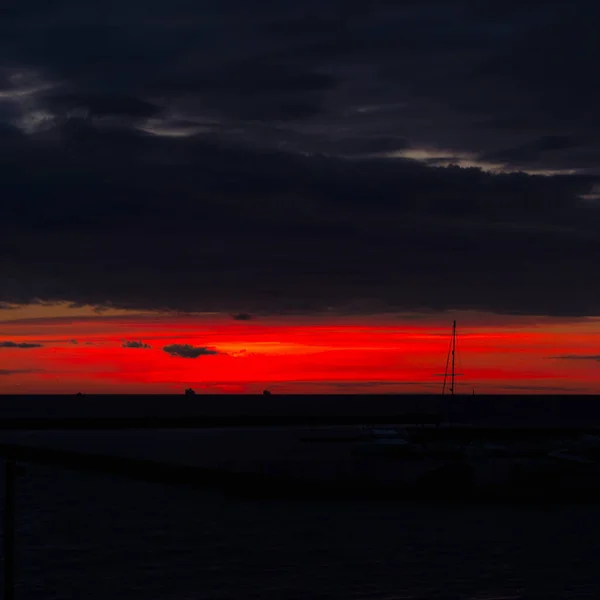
[190, 392]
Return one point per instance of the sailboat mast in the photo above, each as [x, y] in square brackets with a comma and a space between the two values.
[453, 356]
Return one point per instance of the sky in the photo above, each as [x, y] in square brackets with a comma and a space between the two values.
[302, 196]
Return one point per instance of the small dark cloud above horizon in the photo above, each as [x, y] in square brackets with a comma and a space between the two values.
[298, 158]
[242, 317]
[9, 372]
[189, 351]
[7, 306]
[22, 345]
[578, 357]
[135, 344]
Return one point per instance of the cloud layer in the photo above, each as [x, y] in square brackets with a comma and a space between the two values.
[135, 344]
[22, 345]
[579, 357]
[297, 159]
[9, 372]
[189, 351]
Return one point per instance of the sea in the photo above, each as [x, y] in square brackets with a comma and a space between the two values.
[505, 410]
[90, 536]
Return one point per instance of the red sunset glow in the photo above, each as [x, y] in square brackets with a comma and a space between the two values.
[384, 354]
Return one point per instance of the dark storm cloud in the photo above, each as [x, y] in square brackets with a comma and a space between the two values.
[188, 351]
[535, 150]
[24, 345]
[279, 232]
[101, 106]
[161, 155]
[260, 77]
[135, 344]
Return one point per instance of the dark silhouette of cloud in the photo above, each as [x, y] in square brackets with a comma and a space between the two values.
[296, 160]
[535, 150]
[242, 317]
[578, 357]
[299, 233]
[7, 306]
[188, 351]
[135, 344]
[89, 106]
[8, 372]
[23, 345]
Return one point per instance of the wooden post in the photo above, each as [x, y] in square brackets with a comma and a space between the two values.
[10, 478]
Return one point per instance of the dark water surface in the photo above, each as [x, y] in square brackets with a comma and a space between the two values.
[84, 536]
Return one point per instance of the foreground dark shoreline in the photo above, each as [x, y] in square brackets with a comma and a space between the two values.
[212, 421]
[443, 430]
[261, 486]
[524, 420]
